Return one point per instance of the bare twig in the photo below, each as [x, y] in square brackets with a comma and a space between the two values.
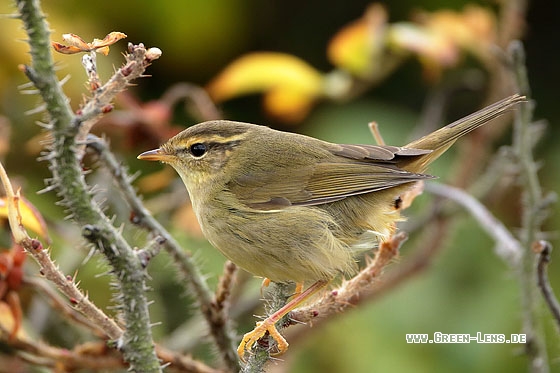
[507, 247]
[544, 251]
[225, 284]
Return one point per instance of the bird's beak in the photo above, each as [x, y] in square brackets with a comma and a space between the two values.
[154, 155]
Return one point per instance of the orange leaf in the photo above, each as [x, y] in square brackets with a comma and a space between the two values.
[65, 49]
[75, 41]
[358, 46]
[110, 39]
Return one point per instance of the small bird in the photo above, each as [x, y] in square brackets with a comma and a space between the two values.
[292, 208]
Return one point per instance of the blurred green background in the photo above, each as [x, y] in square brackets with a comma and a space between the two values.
[467, 289]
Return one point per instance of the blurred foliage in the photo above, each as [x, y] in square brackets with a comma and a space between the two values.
[466, 290]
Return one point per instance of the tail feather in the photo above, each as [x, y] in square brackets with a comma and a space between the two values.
[439, 141]
[447, 135]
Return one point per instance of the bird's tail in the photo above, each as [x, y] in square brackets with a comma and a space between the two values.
[439, 141]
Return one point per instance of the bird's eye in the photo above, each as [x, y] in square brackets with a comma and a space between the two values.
[198, 149]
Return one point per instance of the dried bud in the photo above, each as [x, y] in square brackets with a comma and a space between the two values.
[153, 54]
[36, 244]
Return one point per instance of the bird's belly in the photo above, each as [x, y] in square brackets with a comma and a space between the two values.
[294, 244]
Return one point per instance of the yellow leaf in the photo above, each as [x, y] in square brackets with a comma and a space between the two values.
[31, 217]
[262, 72]
[288, 105]
[358, 46]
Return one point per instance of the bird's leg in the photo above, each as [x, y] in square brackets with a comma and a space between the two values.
[268, 324]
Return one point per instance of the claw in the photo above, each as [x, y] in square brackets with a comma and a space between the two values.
[267, 325]
[249, 339]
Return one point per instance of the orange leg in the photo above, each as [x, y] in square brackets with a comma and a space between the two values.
[268, 325]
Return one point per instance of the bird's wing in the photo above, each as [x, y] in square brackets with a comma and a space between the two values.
[352, 170]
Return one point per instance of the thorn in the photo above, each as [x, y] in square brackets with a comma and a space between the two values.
[26, 85]
[38, 109]
[64, 80]
[29, 92]
[47, 189]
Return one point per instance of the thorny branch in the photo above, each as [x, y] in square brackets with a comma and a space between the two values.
[68, 179]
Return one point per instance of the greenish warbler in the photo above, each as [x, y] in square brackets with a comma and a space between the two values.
[289, 207]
